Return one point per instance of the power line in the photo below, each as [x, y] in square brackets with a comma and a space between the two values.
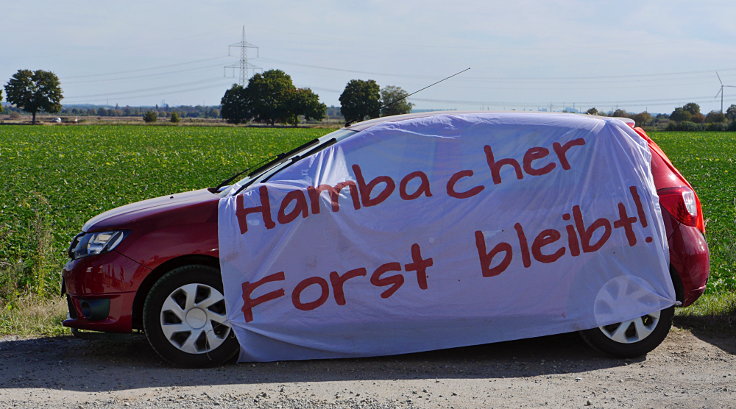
[593, 103]
[117, 93]
[619, 77]
[179, 91]
[322, 67]
[601, 77]
[158, 74]
[140, 69]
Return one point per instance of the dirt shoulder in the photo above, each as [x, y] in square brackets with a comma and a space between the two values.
[687, 370]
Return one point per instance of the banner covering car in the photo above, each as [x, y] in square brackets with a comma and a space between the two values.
[445, 231]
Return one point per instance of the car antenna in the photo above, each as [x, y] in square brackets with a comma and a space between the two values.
[422, 89]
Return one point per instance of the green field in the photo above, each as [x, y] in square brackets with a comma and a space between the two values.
[57, 177]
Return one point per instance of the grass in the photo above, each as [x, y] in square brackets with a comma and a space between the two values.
[712, 314]
[33, 315]
[57, 177]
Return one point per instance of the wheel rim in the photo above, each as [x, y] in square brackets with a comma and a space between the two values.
[632, 292]
[628, 332]
[193, 318]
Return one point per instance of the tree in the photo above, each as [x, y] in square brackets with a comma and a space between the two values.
[393, 101]
[302, 101]
[698, 118]
[34, 91]
[269, 96]
[592, 111]
[620, 113]
[236, 105]
[150, 116]
[311, 108]
[731, 112]
[679, 115]
[715, 117]
[642, 118]
[175, 117]
[360, 99]
[1, 100]
[692, 108]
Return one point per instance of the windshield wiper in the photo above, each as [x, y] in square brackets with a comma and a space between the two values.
[263, 165]
[227, 181]
[296, 158]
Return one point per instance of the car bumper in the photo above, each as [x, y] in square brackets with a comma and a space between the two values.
[100, 292]
[108, 313]
[690, 260]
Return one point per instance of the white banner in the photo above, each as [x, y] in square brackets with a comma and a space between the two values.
[445, 231]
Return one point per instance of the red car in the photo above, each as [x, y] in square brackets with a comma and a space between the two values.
[153, 266]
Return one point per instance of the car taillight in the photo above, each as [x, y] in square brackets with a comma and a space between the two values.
[682, 203]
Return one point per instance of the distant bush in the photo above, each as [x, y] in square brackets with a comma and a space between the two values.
[688, 126]
[150, 116]
[716, 126]
[175, 118]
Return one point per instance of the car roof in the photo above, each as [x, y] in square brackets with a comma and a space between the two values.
[397, 118]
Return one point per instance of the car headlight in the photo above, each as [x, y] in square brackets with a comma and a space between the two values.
[88, 244]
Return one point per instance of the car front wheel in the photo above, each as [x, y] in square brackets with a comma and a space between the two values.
[184, 318]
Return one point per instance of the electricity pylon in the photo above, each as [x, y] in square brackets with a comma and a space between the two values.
[243, 66]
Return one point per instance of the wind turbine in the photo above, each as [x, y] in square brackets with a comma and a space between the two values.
[720, 91]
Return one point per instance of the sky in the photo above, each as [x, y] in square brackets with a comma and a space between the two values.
[523, 55]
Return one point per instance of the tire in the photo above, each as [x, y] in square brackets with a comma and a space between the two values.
[184, 318]
[631, 338]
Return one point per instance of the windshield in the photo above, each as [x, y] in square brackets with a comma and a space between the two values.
[282, 161]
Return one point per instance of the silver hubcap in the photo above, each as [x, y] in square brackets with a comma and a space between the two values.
[193, 318]
[630, 291]
[631, 331]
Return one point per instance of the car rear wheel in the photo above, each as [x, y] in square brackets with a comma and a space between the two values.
[184, 318]
[631, 338]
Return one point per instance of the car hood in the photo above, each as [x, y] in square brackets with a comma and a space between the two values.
[123, 216]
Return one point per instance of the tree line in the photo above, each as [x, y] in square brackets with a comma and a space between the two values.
[365, 99]
[185, 111]
[685, 118]
[271, 97]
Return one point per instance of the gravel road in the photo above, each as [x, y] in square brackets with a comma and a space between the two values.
[687, 370]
